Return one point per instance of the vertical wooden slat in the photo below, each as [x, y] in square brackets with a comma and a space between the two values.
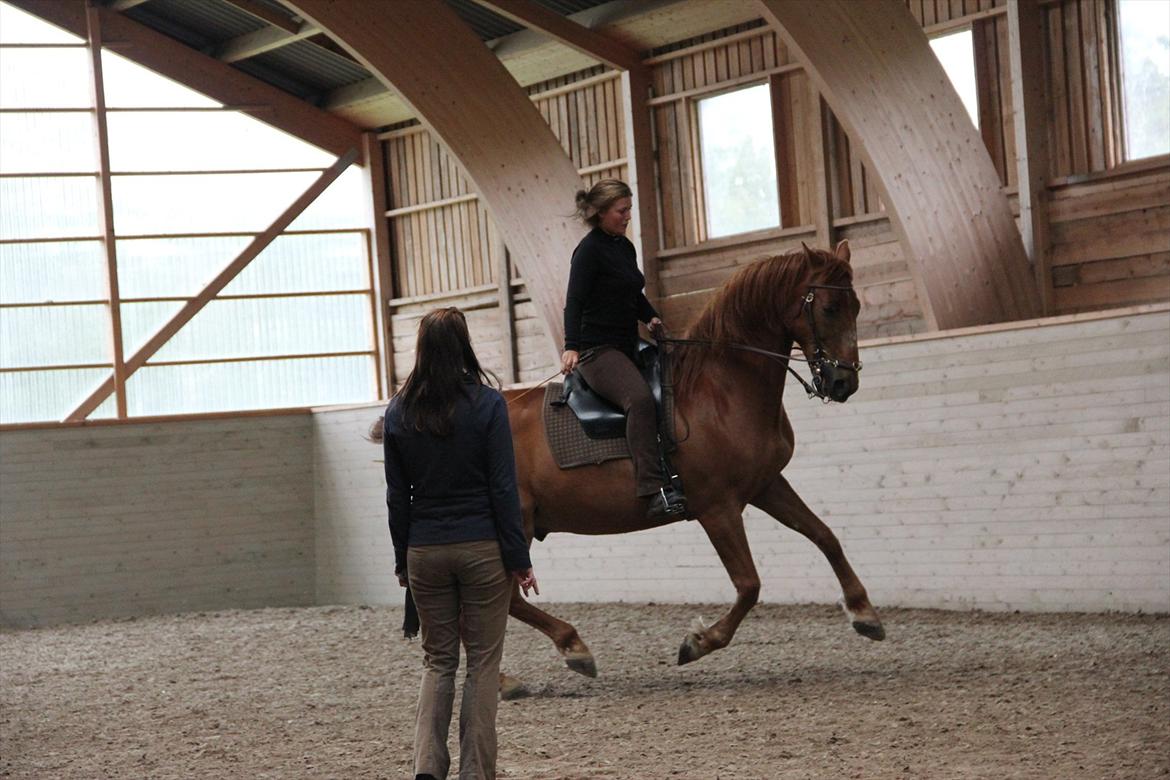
[987, 86]
[687, 154]
[1061, 141]
[1078, 125]
[1007, 173]
[638, 132]
[106, 212]
[1094, 102]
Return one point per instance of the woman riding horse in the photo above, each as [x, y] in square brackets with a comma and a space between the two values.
[603, 306]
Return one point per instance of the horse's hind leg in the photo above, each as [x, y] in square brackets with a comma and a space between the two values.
[727, 535]
[564, 635]
[781, 502]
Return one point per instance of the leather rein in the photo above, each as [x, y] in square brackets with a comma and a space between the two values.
[816, 363]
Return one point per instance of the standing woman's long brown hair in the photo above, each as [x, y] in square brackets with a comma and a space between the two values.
[444, 361]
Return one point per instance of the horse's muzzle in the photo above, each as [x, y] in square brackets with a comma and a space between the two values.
[838, 383]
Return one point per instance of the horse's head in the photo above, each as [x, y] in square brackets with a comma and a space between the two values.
[825, 326]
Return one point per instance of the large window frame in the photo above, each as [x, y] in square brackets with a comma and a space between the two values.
[111, 303]
[1121, 102]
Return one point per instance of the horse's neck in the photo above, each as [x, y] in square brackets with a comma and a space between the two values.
[751, 381]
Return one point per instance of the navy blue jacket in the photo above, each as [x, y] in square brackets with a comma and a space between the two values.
[455, 488]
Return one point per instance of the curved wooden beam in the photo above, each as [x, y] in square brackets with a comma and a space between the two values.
[875, 68]
[462, 94]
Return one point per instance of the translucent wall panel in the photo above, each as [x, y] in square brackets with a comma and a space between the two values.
[57, 207]
[64, 271]
[45, 78]
[739, 161]
[47, 143]
[249, 385]
[211, 140]
[203, 204]
[16, 26]
[256, 327]
[54, 336]
[292, 263]
[343, 205]
[129, 85]
[43, 396]
[165, 267]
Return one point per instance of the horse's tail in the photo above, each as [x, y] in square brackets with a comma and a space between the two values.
[374, 435]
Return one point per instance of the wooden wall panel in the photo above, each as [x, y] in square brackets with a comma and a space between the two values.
[1111, 242]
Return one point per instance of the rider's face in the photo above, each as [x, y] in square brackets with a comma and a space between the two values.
[616, 218]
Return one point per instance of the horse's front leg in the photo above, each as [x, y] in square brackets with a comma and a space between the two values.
[781, 502]
[726, 532]
[564, 635]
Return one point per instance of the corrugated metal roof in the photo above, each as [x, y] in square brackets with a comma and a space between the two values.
[313, 65]
[486, 24]
[212, 20]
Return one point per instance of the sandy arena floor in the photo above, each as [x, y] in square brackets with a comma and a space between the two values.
[329, 693]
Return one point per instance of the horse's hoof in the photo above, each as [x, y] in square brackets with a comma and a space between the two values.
[873, 631]
[581, 663]
[512, 689]
[689, 650]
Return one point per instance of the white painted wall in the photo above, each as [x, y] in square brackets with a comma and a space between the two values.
[1023, 468]
[1020, 468]
[121, 520]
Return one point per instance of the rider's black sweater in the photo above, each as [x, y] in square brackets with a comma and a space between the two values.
[605, 300]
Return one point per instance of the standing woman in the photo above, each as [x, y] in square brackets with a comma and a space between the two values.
[603, 306]
[458, 537]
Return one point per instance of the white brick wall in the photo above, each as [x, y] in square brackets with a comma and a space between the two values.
[1024, 468]
[120, 520]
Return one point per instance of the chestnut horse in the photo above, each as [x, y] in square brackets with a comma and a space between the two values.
[735, 439]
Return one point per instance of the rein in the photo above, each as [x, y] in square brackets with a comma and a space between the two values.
[816, 363]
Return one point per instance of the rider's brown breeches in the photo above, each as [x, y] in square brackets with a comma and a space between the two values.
[613, 376]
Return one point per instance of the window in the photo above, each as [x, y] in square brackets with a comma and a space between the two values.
[957, 54]
[191, 188]
[739, 161]
[1144, 30]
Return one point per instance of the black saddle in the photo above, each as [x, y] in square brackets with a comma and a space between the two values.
[599, 418]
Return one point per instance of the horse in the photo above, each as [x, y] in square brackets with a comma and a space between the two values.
[729, 375]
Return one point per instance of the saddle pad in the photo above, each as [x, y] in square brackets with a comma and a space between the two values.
[567, 440]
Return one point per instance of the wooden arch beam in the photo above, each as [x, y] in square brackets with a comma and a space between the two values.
[875, 68]
[463, 94]
[590, 43]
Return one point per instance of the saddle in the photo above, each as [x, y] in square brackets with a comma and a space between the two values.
[598, 417]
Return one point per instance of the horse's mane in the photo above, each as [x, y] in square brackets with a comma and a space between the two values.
[750, 306]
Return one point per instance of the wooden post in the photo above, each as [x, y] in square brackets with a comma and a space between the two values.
[506, 311]
[383, 280]
[822, 205]
[105, 197]
[1026, 50]
[221, 280]
[640, 165]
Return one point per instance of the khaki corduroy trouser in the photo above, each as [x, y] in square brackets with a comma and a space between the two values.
[462, 593]
[613, 376]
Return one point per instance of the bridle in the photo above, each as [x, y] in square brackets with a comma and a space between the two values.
[820, 359]
[817, 362]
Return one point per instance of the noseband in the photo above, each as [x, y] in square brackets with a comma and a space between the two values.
[819, 359]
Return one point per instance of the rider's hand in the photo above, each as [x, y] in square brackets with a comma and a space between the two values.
[402, 579]
[526, 579]
[657, 327]
[569, 361]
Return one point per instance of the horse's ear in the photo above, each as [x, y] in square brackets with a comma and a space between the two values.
[807, 252]
[842, 251]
